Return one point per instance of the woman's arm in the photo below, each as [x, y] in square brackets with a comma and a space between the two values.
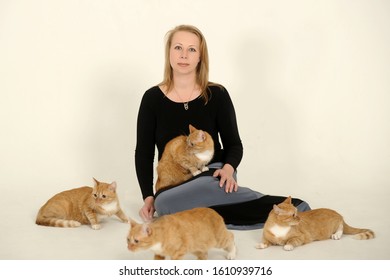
[231, 141]
[145, 146]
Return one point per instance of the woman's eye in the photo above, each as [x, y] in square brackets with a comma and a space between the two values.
[177, 48]
[192, 50]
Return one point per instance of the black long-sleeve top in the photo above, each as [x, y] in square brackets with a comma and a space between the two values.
[161, 119]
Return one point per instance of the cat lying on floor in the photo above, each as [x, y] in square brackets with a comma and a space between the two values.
[84, 205]
[285, 226]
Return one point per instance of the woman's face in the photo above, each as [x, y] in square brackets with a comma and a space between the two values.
[184, 54]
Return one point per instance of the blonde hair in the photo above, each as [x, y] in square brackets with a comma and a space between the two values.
[202, 70]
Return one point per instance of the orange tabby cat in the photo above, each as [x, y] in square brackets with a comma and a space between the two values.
[184, 157]
[192, 231]
[79, 206]
[285, 226]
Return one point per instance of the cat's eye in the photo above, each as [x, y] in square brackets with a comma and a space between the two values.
[136, 241]
[104, 196]
[95, 195]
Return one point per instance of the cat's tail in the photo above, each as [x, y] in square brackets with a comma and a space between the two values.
[358, 233]
[54, 222]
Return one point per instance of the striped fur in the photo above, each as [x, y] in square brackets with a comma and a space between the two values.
[193, 231]
[81, 206]
[184, 157]
[358, 233]
[286, 227]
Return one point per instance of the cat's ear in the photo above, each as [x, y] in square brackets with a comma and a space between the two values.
[112, 186]
[288, 200]
[96, 181]
[192, 128]
[132, 223]
[277, 210]
[202, 136]
[147, 229]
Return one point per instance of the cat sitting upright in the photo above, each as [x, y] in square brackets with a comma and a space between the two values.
[184, 157]
[285, 226]
[191, 231]
[84, 205]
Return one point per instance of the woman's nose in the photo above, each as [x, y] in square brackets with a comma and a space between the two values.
[183, 54]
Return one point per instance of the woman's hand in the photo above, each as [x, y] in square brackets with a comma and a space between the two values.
[227, 179]
[147, 211]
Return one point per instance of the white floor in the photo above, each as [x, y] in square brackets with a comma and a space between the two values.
[22, 239]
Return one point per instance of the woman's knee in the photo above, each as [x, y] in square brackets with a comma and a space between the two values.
[303, 206]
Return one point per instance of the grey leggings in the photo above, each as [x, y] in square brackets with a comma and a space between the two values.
[244, 209]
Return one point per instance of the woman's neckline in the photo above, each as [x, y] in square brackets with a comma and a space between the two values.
[193, 98]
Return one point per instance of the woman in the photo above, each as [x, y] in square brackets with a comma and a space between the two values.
[184, 97]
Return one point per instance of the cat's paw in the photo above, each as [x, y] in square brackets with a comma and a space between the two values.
[205, 169]
[337, 235]
[197, 172]
[74, 224]
[96, 227]
[125, 220]
[288, 247]
[232, 254]
[261, 245]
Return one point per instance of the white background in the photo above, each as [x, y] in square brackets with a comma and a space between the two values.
[309, 80]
